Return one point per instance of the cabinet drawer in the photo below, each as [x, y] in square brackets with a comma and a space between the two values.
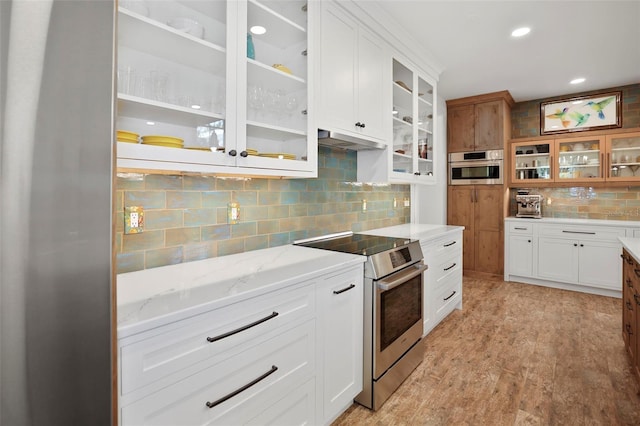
[524, 228]
[443, 247]
[176, 350]
[577, 232]
[273, 367]
[442, 271]
[447, 297]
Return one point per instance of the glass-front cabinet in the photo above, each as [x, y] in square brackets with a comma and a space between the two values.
[412, 116]
[532, 161]
[276, 85]
[623, 157]
[580, 159]
[215, 86]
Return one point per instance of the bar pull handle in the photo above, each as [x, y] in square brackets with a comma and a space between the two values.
[608, 165]
[243, 328]
[386, 285]
[520, 228]
[602, 173]
[452, 266]
[450, 244]
[452, 294]
[579, 232]
[551, 166]
[243, 388]
[344, 289]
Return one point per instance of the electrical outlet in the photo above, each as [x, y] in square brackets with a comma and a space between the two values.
[233, 213]
[133, 220]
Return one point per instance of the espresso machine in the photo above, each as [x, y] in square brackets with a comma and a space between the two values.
[529, 205]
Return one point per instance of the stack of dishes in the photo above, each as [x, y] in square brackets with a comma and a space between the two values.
[129, 137]
[252, 151]
[166, 141]
[279, 155]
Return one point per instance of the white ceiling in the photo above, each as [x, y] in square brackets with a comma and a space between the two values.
[597, 40]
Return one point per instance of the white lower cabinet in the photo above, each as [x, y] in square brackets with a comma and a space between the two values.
[580, 255]
[521, 261]
[290, 356]
[558, 259]
[443, 279]
[340, 316]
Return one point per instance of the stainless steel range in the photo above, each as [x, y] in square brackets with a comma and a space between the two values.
[393, 306]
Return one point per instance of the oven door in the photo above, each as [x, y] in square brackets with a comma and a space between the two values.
[397, 311]
[488, 172]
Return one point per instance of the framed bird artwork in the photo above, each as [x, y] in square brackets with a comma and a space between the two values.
[592, 112]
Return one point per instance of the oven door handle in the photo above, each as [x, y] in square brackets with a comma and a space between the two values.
[406, 276]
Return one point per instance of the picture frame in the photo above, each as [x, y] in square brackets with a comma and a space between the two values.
[582, 113]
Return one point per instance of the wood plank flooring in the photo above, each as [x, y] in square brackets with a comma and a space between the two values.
[518, 354]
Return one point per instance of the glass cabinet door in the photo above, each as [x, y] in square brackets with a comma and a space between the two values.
[580, 159]
[412, 124]
[403, 135]
[623, 156]
[276, 84]
[532, 161]
[171, 80]
[425, 128]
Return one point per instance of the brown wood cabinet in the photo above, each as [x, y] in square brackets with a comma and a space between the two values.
[630, 306]
[479, 123]
[599, 158]
[480, 209]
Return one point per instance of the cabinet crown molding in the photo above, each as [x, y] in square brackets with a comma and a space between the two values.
[501, 95]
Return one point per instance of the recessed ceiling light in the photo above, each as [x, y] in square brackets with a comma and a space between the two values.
[576, 102]
[258, 30]
[519, 32]
[577, 80]
[195, 106]
[151, 123]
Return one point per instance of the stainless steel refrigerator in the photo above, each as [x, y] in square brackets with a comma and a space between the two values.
[56, 174]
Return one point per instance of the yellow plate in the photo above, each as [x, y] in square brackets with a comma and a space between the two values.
[160, 138]
[278, 155]
[282, 68]
[166, 145]
[198, 148]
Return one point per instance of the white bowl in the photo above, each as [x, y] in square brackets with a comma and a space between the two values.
[187, 25]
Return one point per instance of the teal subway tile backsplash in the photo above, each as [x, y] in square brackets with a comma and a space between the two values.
[186, 216]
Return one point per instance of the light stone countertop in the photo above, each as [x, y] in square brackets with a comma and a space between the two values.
[158, 296]
[632, 245]
[415, 231]
[571, 221]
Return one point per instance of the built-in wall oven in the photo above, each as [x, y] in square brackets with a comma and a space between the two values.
[393, 309]
[477, 167]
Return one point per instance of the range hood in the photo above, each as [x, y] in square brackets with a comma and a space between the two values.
[339, 140]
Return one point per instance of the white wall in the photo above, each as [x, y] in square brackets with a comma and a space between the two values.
[430, 201]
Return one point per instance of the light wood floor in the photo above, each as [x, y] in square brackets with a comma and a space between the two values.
[518, 354]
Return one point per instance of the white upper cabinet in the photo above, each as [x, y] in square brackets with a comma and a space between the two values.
[184, 72]
[351, 75]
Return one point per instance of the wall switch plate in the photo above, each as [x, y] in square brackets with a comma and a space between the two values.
[133, 220]
[233, 213]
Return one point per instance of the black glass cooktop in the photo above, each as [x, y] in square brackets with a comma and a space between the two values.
[362, 244]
